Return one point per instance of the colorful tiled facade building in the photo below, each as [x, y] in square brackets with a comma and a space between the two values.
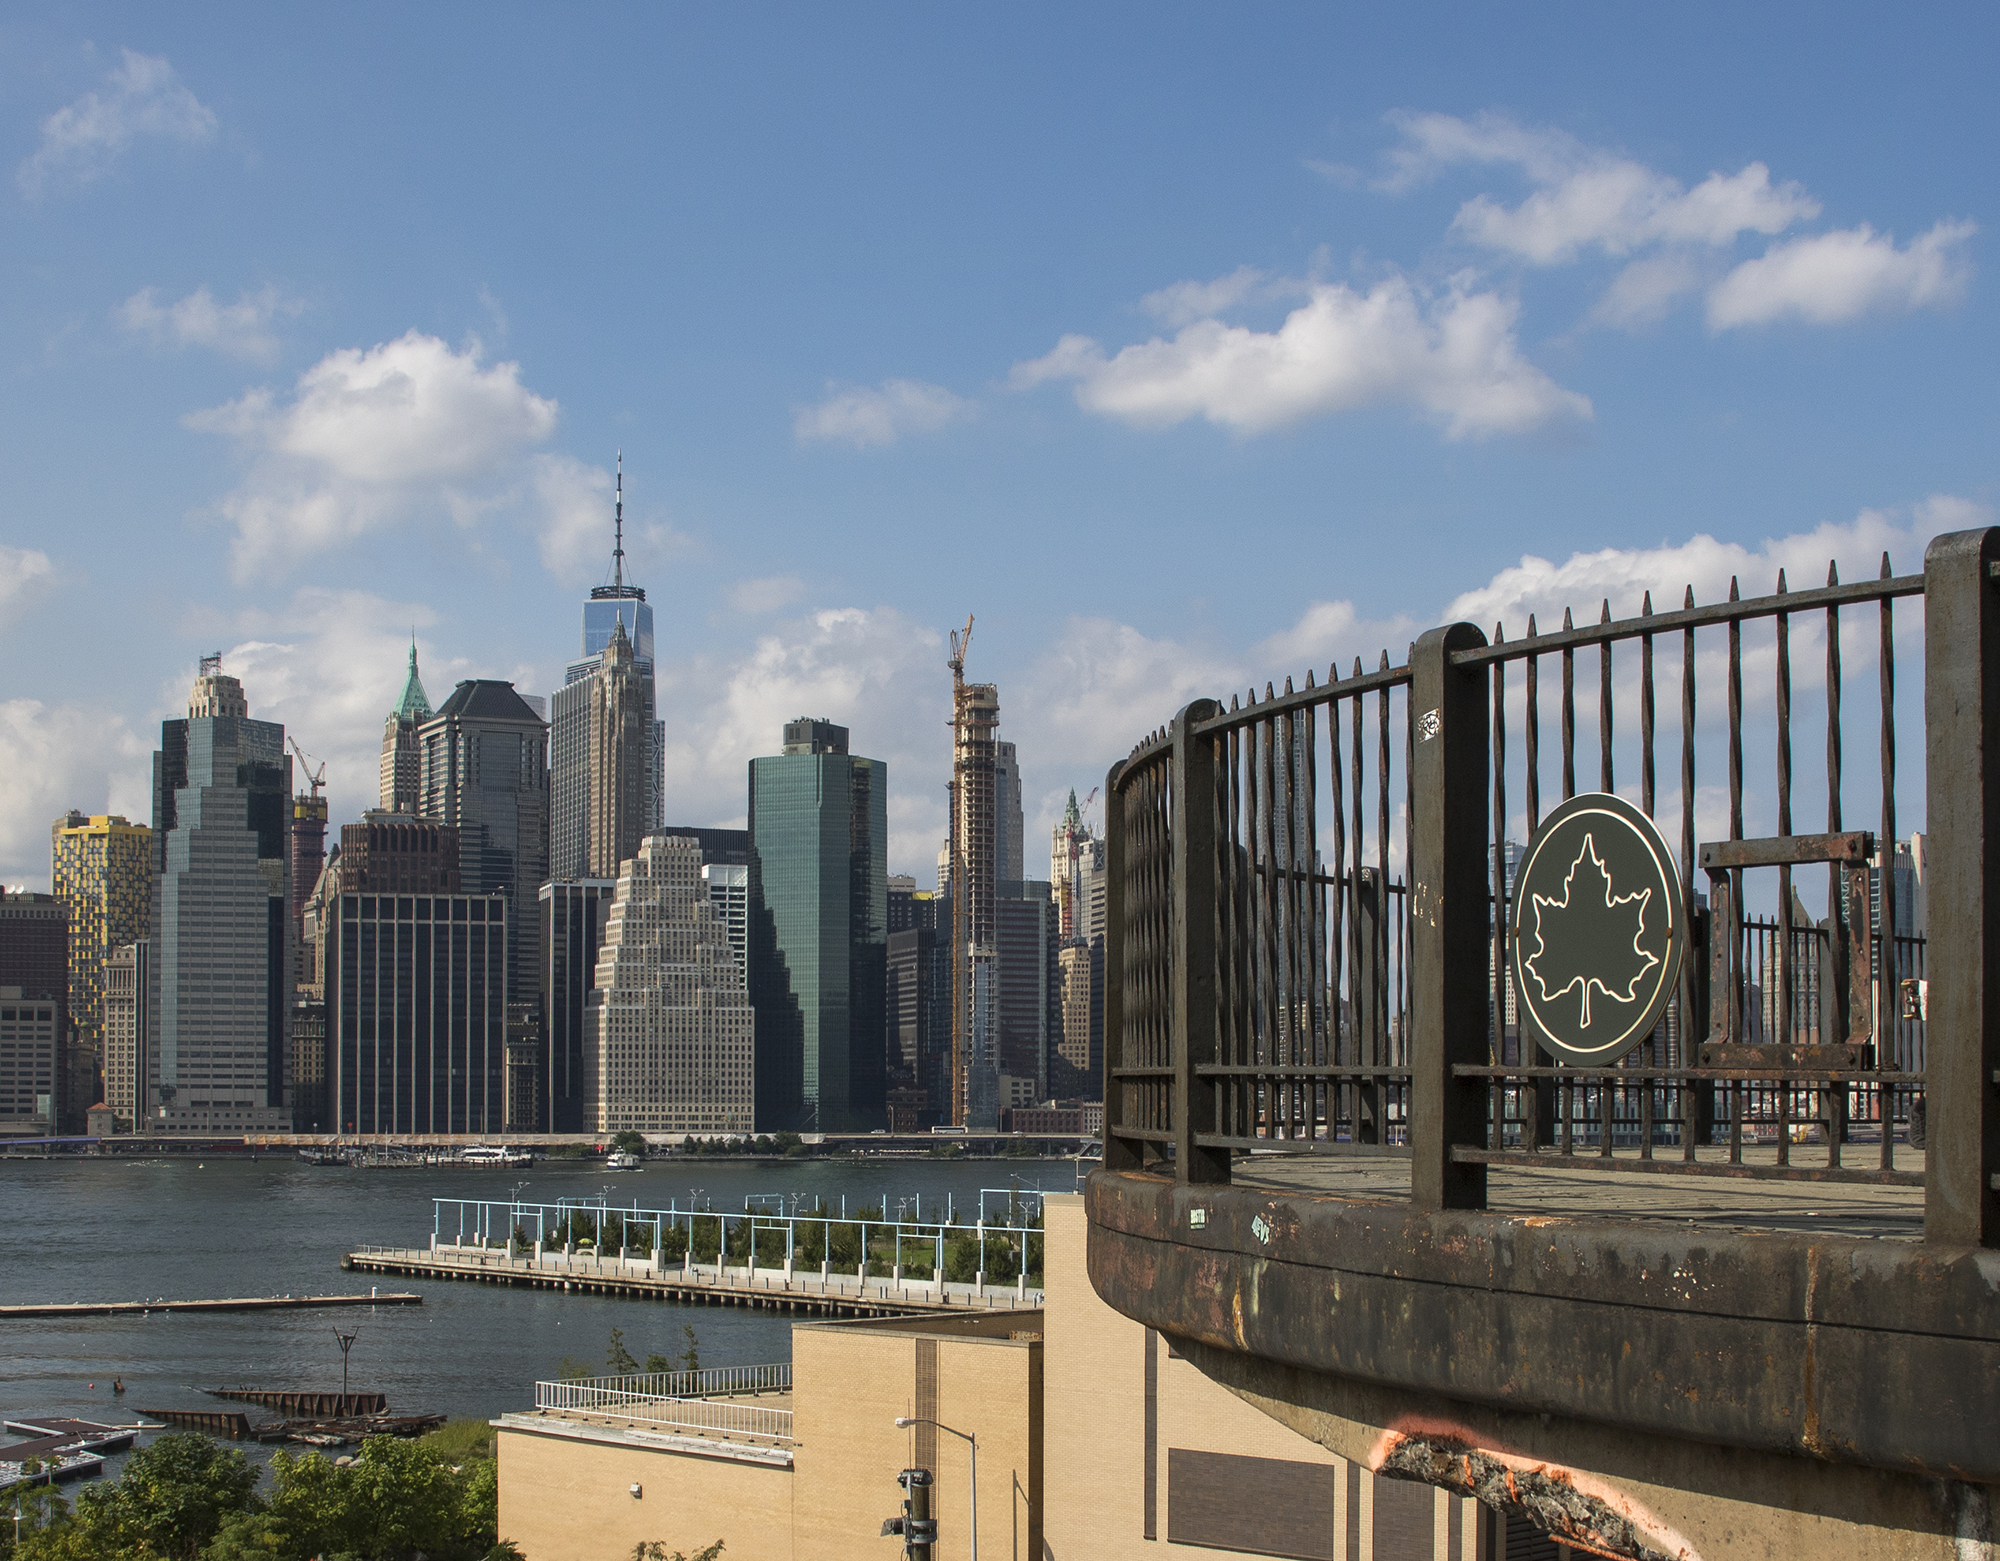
[102, 872]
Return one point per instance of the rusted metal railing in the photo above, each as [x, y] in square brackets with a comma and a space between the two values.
[1309, 895]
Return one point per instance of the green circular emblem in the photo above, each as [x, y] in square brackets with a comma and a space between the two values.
[1598, 930]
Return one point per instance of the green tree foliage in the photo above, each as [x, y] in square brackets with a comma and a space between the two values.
[461, 1441]
[656, 1550]
[396, 1500]
[618, 1361]
[173, 1498]
[629, 1142]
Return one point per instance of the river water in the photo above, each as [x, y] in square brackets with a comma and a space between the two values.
[126, 1229]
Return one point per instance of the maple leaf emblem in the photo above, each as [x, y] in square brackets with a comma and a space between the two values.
[1590, 937]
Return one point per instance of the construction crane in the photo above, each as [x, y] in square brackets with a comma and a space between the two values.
[960, 644]
[305, 764]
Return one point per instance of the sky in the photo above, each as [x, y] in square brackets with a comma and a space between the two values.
[1184, 348]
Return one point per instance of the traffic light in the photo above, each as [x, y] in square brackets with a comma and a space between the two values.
[916, 1527]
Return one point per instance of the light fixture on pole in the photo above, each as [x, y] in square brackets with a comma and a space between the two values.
[973, 1442]
[346, 1344]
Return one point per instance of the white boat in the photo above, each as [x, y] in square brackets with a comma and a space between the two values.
[493, 1154]
[622, 1160]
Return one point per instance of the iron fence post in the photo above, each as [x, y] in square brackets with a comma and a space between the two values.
[1450, 916]
[1192, 787]
[1962, 753]
[1120, 1153]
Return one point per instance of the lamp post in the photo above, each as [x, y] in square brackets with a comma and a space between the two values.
[346, 1344]
[973, 1442]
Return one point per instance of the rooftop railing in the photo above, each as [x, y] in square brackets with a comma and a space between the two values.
[716, 1382]
[682, 1414]
[1310, 896]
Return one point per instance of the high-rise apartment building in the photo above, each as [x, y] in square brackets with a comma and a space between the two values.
[1078, 1067]
[102, 871]
[34, 1015]
[572, 913]
[606, 745]
[1010, 845]
[402, 757]
[484, 770]
[1024, 937]
[819, 930]
[673, 1048]
[219, 976]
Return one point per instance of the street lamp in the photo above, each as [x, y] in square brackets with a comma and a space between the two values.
[973, 1441]
[346, 1344]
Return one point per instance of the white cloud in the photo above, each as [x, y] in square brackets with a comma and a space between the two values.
[863, 417]
[57, 757]
[1184, 302]
[1586, 197]
[1623, 575]
[753, 597]
[1454, 357]
[142, 97]
[1645, 290]
[240, 330]
[20, 568]
[1831, 278]
[379, 436]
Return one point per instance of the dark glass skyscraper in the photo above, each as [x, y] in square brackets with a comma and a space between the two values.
[819, 914]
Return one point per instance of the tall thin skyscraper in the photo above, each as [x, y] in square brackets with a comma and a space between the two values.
[671, 1049]
[485, 772]
[819, 935]
[974, 888]
[402, 763]
[1010, 850]
[606, 743]
[219, 978]
[572, 929]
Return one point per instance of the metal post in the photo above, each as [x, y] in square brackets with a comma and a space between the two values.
[1449, 916]
[1120, 1153]
[1192, 783]
[1962, 753]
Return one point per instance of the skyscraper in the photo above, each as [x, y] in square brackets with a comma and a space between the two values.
[974, 888]
[600, 746]
[402, 763]
[672, 1043]
[102, 871]
[127, 1073]
[219, 974]
[572, 933]
[818, 930]
[34, 1013]
[484, 771]
[1010, 846]
[606, 745]
[1024, 937]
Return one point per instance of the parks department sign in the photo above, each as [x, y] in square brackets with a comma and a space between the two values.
[1598, 930]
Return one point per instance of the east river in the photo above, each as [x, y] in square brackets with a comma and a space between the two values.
[130, 1229]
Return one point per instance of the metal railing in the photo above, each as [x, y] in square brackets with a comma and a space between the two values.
[1309, 896]
[686, 1414]
[716, 1382]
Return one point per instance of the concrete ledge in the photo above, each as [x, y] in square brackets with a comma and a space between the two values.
[1849, 1350]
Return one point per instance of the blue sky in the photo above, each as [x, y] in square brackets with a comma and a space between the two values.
[1183, 347]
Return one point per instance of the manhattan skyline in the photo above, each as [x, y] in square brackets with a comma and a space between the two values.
[1075, 326]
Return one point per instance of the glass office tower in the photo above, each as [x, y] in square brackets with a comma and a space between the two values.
[819, 931]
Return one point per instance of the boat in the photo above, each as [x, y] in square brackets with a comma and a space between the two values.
[495, 1155]
[624, 1160]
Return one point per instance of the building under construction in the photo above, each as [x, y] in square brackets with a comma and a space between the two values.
[975, 1023]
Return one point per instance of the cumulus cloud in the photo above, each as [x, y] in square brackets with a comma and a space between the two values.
[371, 437]
[1645, 290]
[239, 330]
[868, 418]
[1586, 197]
[1453, 357]
[57, 756]
[143, 97]
[20, 568]
[1831, 278]
[1184, 302]
[753, 597]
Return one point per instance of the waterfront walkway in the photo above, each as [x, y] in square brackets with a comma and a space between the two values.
[816, 1292]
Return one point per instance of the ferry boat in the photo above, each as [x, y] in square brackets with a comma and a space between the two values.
[495, 1155]
[624, 1160]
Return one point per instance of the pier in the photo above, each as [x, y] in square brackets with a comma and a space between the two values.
[815, 1293]
[259, 1303]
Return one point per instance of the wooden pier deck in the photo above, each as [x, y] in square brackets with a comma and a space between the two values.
[259, 1303]
[813, 1293]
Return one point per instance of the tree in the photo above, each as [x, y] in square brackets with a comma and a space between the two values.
[629, 1142]
[656, 1550]
[618, 1361]
[693, 1356]
[397, 1499]
[175, 1493]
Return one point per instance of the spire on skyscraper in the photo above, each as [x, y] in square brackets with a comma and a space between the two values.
[1072, 818]
[415, 705]
[618, 513]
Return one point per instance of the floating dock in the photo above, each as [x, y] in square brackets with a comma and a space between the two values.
[262, 1303]
[815, 1293]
